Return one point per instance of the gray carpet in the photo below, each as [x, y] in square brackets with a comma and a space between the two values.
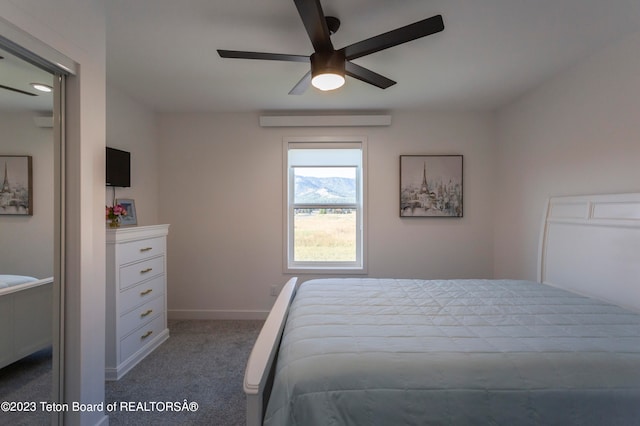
[202, 362]
[28, 379]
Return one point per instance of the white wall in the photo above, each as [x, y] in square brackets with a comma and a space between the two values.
[27, 241]
[221, 186]
[76, 28]
[576, 134]
[133, 128]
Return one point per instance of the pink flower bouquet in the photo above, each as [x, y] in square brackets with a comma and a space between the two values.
[114, 213]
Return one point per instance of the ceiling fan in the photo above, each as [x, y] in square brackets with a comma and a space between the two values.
[328, 65]
[16, 90]
[13, 89]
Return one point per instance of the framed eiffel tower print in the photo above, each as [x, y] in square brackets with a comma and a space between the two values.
[16, 192]
[431, 186]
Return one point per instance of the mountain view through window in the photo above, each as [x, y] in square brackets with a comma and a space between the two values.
[324, 214]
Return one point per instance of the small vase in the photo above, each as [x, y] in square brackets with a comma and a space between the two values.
[114, 223]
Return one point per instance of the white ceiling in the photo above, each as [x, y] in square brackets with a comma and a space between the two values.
[163, 52]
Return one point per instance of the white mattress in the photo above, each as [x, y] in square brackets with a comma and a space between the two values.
[11, 280]
[390, 352]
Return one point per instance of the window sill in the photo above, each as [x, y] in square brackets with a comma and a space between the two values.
[314, 270]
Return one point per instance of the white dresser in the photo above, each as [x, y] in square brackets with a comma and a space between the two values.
[136, 295]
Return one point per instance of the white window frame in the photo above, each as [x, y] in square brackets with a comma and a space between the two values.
[359, 266]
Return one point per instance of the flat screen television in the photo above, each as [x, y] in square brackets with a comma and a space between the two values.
[118, 167]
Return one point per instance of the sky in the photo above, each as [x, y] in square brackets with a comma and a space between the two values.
[346, 172]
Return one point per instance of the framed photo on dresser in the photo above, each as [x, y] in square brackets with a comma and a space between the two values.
[130, 206]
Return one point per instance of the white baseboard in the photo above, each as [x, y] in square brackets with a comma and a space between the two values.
[213, 314]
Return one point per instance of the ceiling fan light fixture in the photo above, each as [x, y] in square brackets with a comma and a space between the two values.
[327, 81]
[42, 87]
[328, 65]
[327, 70]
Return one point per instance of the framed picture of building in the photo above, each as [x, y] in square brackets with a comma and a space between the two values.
[16, 192]
[431, 186]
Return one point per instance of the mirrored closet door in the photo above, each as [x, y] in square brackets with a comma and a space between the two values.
[30, 236]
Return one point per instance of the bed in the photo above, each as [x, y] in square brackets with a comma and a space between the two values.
[25, 316]
[564, 350]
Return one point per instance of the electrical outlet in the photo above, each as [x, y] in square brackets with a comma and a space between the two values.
[274, 290]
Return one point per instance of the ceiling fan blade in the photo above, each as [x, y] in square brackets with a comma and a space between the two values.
[315, 23]
[13, 89]
[394, 37]
[366, 75]
[302, 85]
[260, 55]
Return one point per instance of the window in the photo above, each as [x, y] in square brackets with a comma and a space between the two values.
[325, 205]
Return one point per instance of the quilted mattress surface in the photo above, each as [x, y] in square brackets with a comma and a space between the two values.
[414, 352]
[11, 280]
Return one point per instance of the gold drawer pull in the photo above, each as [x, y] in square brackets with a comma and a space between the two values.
[144, 271]
[147, 334]
[147, 291]
[146, 249]
[144, 314]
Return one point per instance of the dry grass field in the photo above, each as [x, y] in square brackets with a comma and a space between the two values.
[325, 237]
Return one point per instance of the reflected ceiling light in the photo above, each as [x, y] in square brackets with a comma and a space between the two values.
[42, 87]
[327, 70]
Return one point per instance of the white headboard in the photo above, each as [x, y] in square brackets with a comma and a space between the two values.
[591, 245]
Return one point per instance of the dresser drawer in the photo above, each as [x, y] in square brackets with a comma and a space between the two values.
[143, 270]
[140, 294]
[141, 315]
[134, 251]
[140, 337]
